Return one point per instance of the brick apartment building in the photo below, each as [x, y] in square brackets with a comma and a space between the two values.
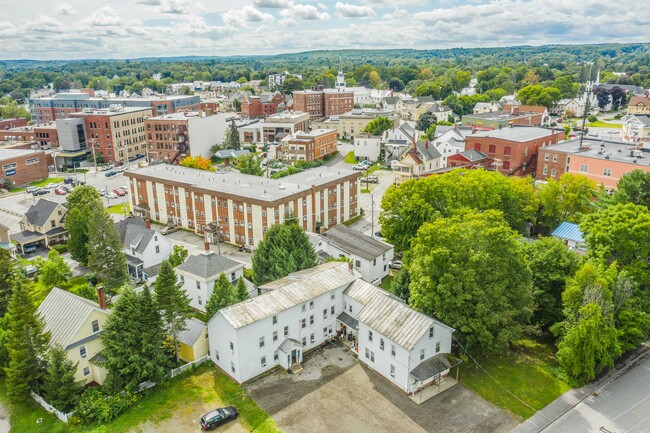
[118, 132]
[243, 206]
[309, 146]
[602, 161]
[22, 166]
[45, 110]
[263, 105]
[514, 150]
[15, 122]
[43, 135]
[174, 136]
[320, 102]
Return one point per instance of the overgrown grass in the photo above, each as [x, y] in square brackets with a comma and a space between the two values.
[40, 183]
[353, 220]
[206, 384]
[386, 282]
[365, 191]
[529, 370]
[119, 208]
[599, 124]
[349, 158]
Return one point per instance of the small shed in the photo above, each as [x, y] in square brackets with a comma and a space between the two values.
[570, 234]
[193, 340]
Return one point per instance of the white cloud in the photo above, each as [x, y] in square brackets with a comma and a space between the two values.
[245, 15]
[288, 22]
[395, 3]
[347, 10]
[66, 9]
[304, 12]
[151, 2]
[179, 7]
[273, 4]
[323, 6]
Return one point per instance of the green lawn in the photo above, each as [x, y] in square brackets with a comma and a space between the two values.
[40, 183]
[365, 191]
[352, 220]
[206, 384]
[529, 371]
[599, 124]
[386, 282]
[119, 209]
[350, 159]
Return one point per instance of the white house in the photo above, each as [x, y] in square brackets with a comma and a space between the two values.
[306, 308]
[449, 141]
[369, 256]
[367, 147]
[199, 272]
[420, 159]
[486, 107]
[636, 127]
[145, 248]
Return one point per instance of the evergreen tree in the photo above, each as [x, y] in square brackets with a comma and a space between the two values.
[55, 270]
[242, 290]
[223, 295]
[84, 204]
[105, 256]
[285, 249]
[133, 341]
[7, 280]
[172, 301]
[232, 137]
[59, 387]
[26, 344]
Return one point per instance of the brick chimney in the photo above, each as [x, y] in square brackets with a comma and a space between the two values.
[206, 246]
[426, 144]
[101, 299]
[147, 223]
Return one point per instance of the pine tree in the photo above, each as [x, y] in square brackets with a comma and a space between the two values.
[59, 386]
[105, 256]
[152, 331]
[172, 301]
[84, 204]
[26, 344]
[223, 295]
[242, 290]
[7, 280]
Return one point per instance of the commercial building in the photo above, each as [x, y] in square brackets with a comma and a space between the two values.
[350, 125]
[514, 150]
[639, 105]
[603, 161]
[309, 146]
[274, 127]
[502, 119]
[408, 349]
[22, 166]
[636, 128]
[44, 110]
[172, 137]
[44, 136]
[244, 206]
[265, 104]
[14, 122]
[320, 102]
[117, 132]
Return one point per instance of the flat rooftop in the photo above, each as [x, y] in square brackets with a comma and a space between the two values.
[244, 185]
[286, 115]
[108, 111]
[176, 116]
[517, 133]
[605, 150]
[85, 96]
[501, 115]
[16, 153]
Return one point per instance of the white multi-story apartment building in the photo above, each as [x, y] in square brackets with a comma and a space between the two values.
[304, 309]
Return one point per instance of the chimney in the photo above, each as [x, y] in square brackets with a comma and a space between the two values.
[147, 223]
[206, 246]
[101, 299]
[322, 229]
[426, 144]
[392, 92]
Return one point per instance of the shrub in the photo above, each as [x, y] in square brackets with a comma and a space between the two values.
[60, 248]
[95, 407]
[592, 118]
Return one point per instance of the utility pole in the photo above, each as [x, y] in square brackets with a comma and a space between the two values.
[372, 215]
[93, 142]
[108, 199]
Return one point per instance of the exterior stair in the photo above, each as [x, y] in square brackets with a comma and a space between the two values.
[296, 368]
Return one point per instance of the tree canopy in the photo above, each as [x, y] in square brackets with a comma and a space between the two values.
[84, 205]
[566, 199]
[223, 294]
[469, 271]
[634, 187]
[250, 164]
[378, 125]
[198, 162]
[172, 301]
[105, 256]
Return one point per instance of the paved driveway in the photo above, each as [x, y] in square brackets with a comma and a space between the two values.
[336, 394]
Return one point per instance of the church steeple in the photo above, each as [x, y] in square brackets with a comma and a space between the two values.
[340, 79]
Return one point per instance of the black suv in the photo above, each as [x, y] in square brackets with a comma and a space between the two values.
[217, 417]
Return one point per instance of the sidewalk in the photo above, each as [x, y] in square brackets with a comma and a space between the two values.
[542, 420]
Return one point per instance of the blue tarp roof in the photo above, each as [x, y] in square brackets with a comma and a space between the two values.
[569, 231]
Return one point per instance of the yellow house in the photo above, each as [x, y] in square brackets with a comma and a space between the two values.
[75, 324]
[193, 341]
[43, 224]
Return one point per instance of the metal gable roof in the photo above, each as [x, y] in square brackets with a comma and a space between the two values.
[569, 231]
[354, 242]
[288, 292]
[208, 264]
[64, 313]
[194, 329]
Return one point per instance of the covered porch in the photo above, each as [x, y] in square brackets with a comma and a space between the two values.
[56, 236]
[348, 331]
[290, 355]
[135, 267]
[432, 376]
[28, 238]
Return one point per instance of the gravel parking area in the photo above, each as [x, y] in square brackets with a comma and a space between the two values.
[336, 393]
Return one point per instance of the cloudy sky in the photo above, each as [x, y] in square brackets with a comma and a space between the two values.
[74, 29]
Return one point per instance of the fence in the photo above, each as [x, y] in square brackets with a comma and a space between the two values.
[175, 372]
[48, 407]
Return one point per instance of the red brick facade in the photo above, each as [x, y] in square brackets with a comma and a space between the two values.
[323, 103]
[261, 106]
[12, 123]
[23, 166]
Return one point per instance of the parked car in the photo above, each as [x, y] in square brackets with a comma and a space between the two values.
[111, 195]
[118, 163]
[105, 167]
[613, 131]
[366, 162]
[102, 192]
[69, 180]
[593, 134]
[378, 234]
[119, 192]
[214, 419]
[31, 189]
[140, 155]
[41, 192]
[110, 173]
[30, 248]
[60, 191]
[396, 264]
[120, 169]
[124, 188]
[370, 179]
[360, 167]
[30, 270]
[168, 230]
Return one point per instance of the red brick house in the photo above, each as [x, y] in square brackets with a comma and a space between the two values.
[263, 105]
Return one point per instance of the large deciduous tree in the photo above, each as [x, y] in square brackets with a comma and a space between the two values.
[378, 125]
[285, 249]
[250, 164]
[179, 255]
[55, 270]
[197, 162]
[634, 187]
[105, 256]
[566, 199]
[470, 272]
[84, 205]
[26, 344]
[172, 301]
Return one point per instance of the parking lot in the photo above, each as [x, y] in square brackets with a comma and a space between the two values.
[335, 393]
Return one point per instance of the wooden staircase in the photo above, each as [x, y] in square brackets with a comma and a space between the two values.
[296, 368]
